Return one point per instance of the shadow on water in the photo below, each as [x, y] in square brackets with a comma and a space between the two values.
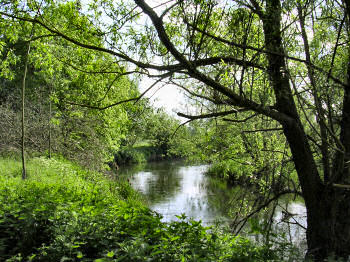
[156, 180]
[172, 188]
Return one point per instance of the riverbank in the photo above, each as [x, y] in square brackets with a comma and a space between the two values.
[142, 153]
[64, 212]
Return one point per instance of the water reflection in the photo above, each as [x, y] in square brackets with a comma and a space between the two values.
[173, 189]
[157, 181]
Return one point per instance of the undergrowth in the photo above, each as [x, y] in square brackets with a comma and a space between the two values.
[65, 213]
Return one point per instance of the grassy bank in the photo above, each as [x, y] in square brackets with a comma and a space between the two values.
[65, 213]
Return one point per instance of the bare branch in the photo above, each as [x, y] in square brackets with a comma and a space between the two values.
[341, 186]
[210, 115]
[105, 107]
[195, 94]
[40, 37]
[263, 130]
[93, 47]
[183, 124]
[95, 72]
[136, 99]
[169, 8]
[267, 203]
[241, 120]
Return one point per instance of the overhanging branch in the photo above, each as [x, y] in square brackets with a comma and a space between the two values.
[203, 116]
[263, 130]
[240, 120]
[260, 50]
[235, 100]
[104, 107]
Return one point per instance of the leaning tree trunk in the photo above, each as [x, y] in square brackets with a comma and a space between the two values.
[24, 172]
[328, 206]
[49, 121]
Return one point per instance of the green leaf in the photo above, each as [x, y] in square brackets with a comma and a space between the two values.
[80, 255]
[110, 254]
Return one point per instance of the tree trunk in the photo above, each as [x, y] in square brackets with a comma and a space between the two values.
[49, 122]
[328, 232]
[24, 172]
[328, 206]
[328, 210]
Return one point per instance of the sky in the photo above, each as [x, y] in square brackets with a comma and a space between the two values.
[169, 96]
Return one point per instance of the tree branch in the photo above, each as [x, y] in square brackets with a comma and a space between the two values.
[260, 50]
[241, 120]
[236, 100]
[267, 203]
[105, 107]
[263, 130]
[210, 115]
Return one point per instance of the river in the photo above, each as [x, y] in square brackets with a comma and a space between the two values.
[173, 188]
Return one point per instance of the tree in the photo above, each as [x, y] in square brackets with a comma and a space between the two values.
[66, 85]
[24, 173]
[325, 233]
[246, 56]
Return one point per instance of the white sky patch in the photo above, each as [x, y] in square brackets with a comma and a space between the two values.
[167, 96]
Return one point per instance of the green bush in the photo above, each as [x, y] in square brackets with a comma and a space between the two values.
[138, 154]
[228, 170]
[130, 155]
[232, 172]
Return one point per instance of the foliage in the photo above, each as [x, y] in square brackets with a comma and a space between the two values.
[241, 156]
[226, 169]
[131, 155]
[64, 93]
[65, 213]
[153, 136]
[160, 128]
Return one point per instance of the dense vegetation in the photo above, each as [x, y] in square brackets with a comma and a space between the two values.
[71, 100]
[273, 75]
[65, 213]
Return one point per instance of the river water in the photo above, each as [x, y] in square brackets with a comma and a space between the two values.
[173, 188]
